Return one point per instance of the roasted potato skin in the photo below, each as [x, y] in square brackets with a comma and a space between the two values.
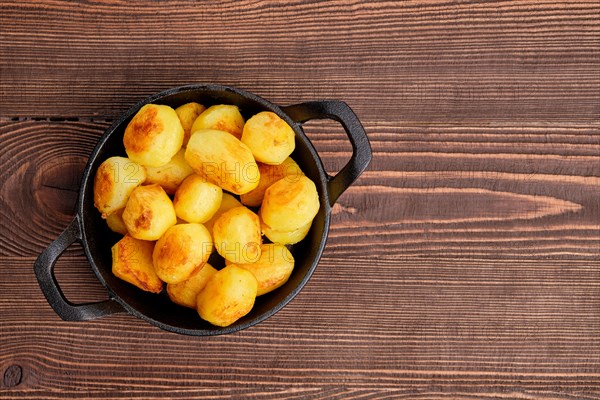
[223, 160]
[290, 204]
[222, 117]
[185, 293]
[132, 262]
[197, 200]
[270, 174]
[227, 203]
[114, 181]
[285, 237]
[227, 296]
[272, 269]
[237, 235]
[187, 114]
[149, 213]
[153, 136]
[170, 175]
[180, 250]
[115, 222]
[269, 137]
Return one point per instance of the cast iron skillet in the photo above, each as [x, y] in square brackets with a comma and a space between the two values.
[92, 232]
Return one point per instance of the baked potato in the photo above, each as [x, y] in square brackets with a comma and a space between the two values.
[272, 269]
[115, 222]
[222, 117]
[270, 174]
[223, 160]
[285, 237]
[149, 213]
[153, 136]
[290, 204]
[185, 293]
[269, 137]
[187, 114]
[227, 203]
[197, 200]
[114, 181]
[227, 296]
[132, 262]
[180, 250]
[237, 235]
[170, 175]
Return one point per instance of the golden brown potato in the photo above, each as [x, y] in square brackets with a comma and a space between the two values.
[132, 262]
[272, 269]
[114, 181]
[269, 174]
[197, 200]
[227, 296]
[269, 137]
[185, 293]
[222, 117]
[237, 235]
[227, 203]
[223, 160]
[153, 136]
[290, 204]
[181, 250]
[187, 114]
[170, 175]
[285, 237]
[149, 213]
[115, 222]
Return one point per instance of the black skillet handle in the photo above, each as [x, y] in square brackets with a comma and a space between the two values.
[361, 149]
[44, 271]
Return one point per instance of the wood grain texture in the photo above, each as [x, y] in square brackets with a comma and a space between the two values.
[465, 263]
[427, 61]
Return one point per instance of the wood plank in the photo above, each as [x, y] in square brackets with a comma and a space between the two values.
[525, 61]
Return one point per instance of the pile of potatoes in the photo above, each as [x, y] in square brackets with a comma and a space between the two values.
[198, 180]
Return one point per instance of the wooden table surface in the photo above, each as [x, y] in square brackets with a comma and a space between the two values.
[464, 263]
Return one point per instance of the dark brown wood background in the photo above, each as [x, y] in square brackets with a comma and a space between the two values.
[465, 263]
